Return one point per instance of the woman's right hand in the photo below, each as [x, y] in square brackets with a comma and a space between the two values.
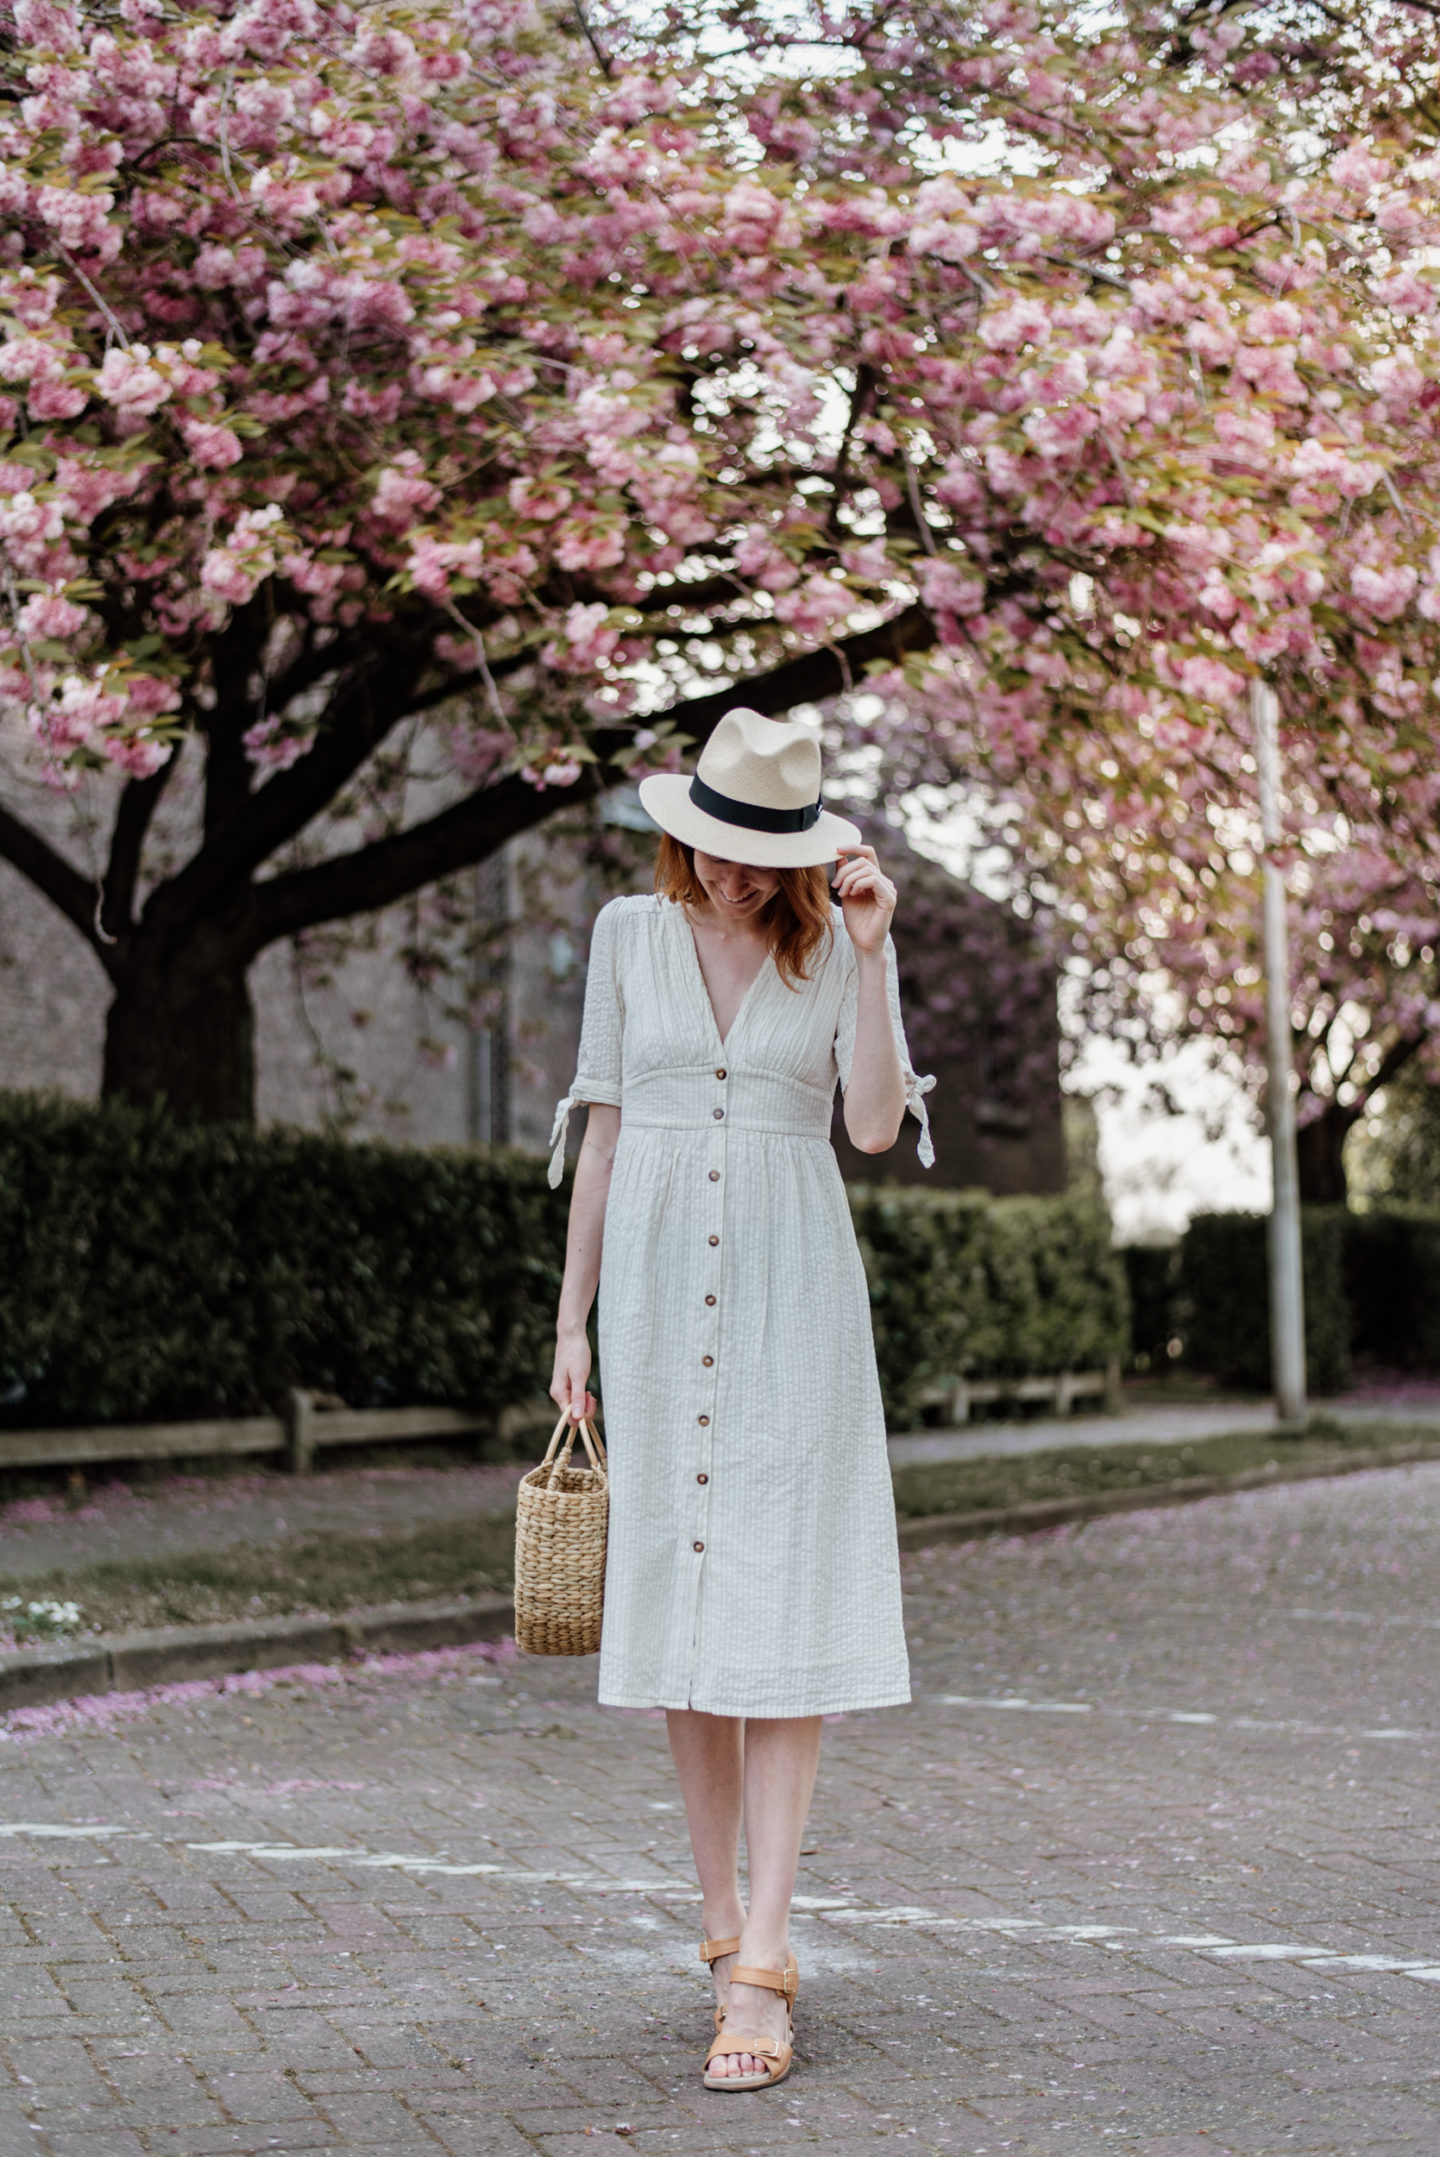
[568, 1387]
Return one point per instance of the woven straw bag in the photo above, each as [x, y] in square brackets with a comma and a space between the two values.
[560, 1523]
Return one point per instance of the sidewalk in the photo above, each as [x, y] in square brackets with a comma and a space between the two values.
[1160, 1423]
[184, 1515]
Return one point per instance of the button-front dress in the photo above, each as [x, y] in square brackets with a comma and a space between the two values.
[753, 1566]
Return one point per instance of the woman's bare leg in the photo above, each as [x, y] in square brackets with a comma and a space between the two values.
[781, 1756]
[708, 1751]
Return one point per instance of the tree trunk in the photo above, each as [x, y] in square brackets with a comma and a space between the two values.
[1320, 1148]
[185, 1035]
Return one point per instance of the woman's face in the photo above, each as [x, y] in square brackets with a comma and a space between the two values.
[733, 889]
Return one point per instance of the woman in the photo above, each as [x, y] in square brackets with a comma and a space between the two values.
[752, 1584]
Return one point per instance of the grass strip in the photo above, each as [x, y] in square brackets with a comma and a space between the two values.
[471, 1555]
[292, 1576]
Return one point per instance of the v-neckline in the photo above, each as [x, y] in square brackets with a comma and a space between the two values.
[724, 1039]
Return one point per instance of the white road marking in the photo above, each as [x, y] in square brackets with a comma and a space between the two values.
[1123, 1937]
[1365, 1617]
[820, 1909]
[1017, 1703]
[48, 1828]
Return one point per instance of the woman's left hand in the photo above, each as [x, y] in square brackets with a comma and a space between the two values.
[867, 896]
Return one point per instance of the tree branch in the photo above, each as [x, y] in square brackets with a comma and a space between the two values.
[375, 700]
[388, 869]
[138, 804]
[50, 873]
[1391, 1064]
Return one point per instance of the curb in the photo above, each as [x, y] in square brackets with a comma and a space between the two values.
[129, 1662]
[922, 1530]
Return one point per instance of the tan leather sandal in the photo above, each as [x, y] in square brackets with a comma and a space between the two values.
[711, 1951]
[779, 2057]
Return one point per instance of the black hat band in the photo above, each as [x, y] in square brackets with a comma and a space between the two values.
[747, 814]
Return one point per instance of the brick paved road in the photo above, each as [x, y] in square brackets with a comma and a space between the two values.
[1150, 1868]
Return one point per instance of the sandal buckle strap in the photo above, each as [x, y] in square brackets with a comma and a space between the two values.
[786, 1982]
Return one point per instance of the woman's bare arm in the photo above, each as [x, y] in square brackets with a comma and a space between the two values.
[588, 1197]
[875, 1096]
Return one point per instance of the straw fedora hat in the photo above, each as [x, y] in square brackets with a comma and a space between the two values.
[755, 797]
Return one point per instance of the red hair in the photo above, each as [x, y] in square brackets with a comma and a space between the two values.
[796, 919]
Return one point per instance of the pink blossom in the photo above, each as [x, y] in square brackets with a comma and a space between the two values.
[1209, 680]
[213, 447]
[27, 359]
[51, 614]
[24, 518]
[1407, 292]
[1384, 591]
[1271, 368]
[1188, 217]
[79, 221]
[379, 404]
[1282, 319]
[587, 544]
[84, 706]
[127, 380]
[1359, 169]
[540, 499]
[402, 493]
[147, 695]
[1249, 429]
[1059, 433]
[272, 747]
[1023, 322]
[951, 589]
[816, 607]
[553, 768]
[589, 641]
[139, 756]
[46, 23]
[232, 573]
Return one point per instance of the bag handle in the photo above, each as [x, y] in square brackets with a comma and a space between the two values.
[590, 1437]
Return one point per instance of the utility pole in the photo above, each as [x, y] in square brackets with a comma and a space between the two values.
[1287, 1298]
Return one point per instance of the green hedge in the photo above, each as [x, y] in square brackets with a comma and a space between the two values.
[963, 1284]
[1372, 1290]
[1223, 1304]
[152, 1271]
[1392, 1276]
[1152, 1274]
[149, 1270]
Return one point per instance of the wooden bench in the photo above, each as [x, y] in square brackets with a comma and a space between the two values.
[298, 1433]
[1058, 1392]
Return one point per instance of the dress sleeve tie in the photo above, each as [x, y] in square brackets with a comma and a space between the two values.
[558, 1135]
[916, 1089]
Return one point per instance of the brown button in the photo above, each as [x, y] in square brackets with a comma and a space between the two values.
[714, 1175]
[704, 1419]
[699, 1546]
[709, 1299]
[714, 1240]
[707, 1361]
[720, 1074]
[718, 1114]
[702, 1478]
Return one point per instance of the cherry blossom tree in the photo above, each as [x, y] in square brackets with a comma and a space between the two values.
[1141, 857]
[565, 377]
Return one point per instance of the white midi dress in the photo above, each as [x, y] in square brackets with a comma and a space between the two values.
[753, 1566]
